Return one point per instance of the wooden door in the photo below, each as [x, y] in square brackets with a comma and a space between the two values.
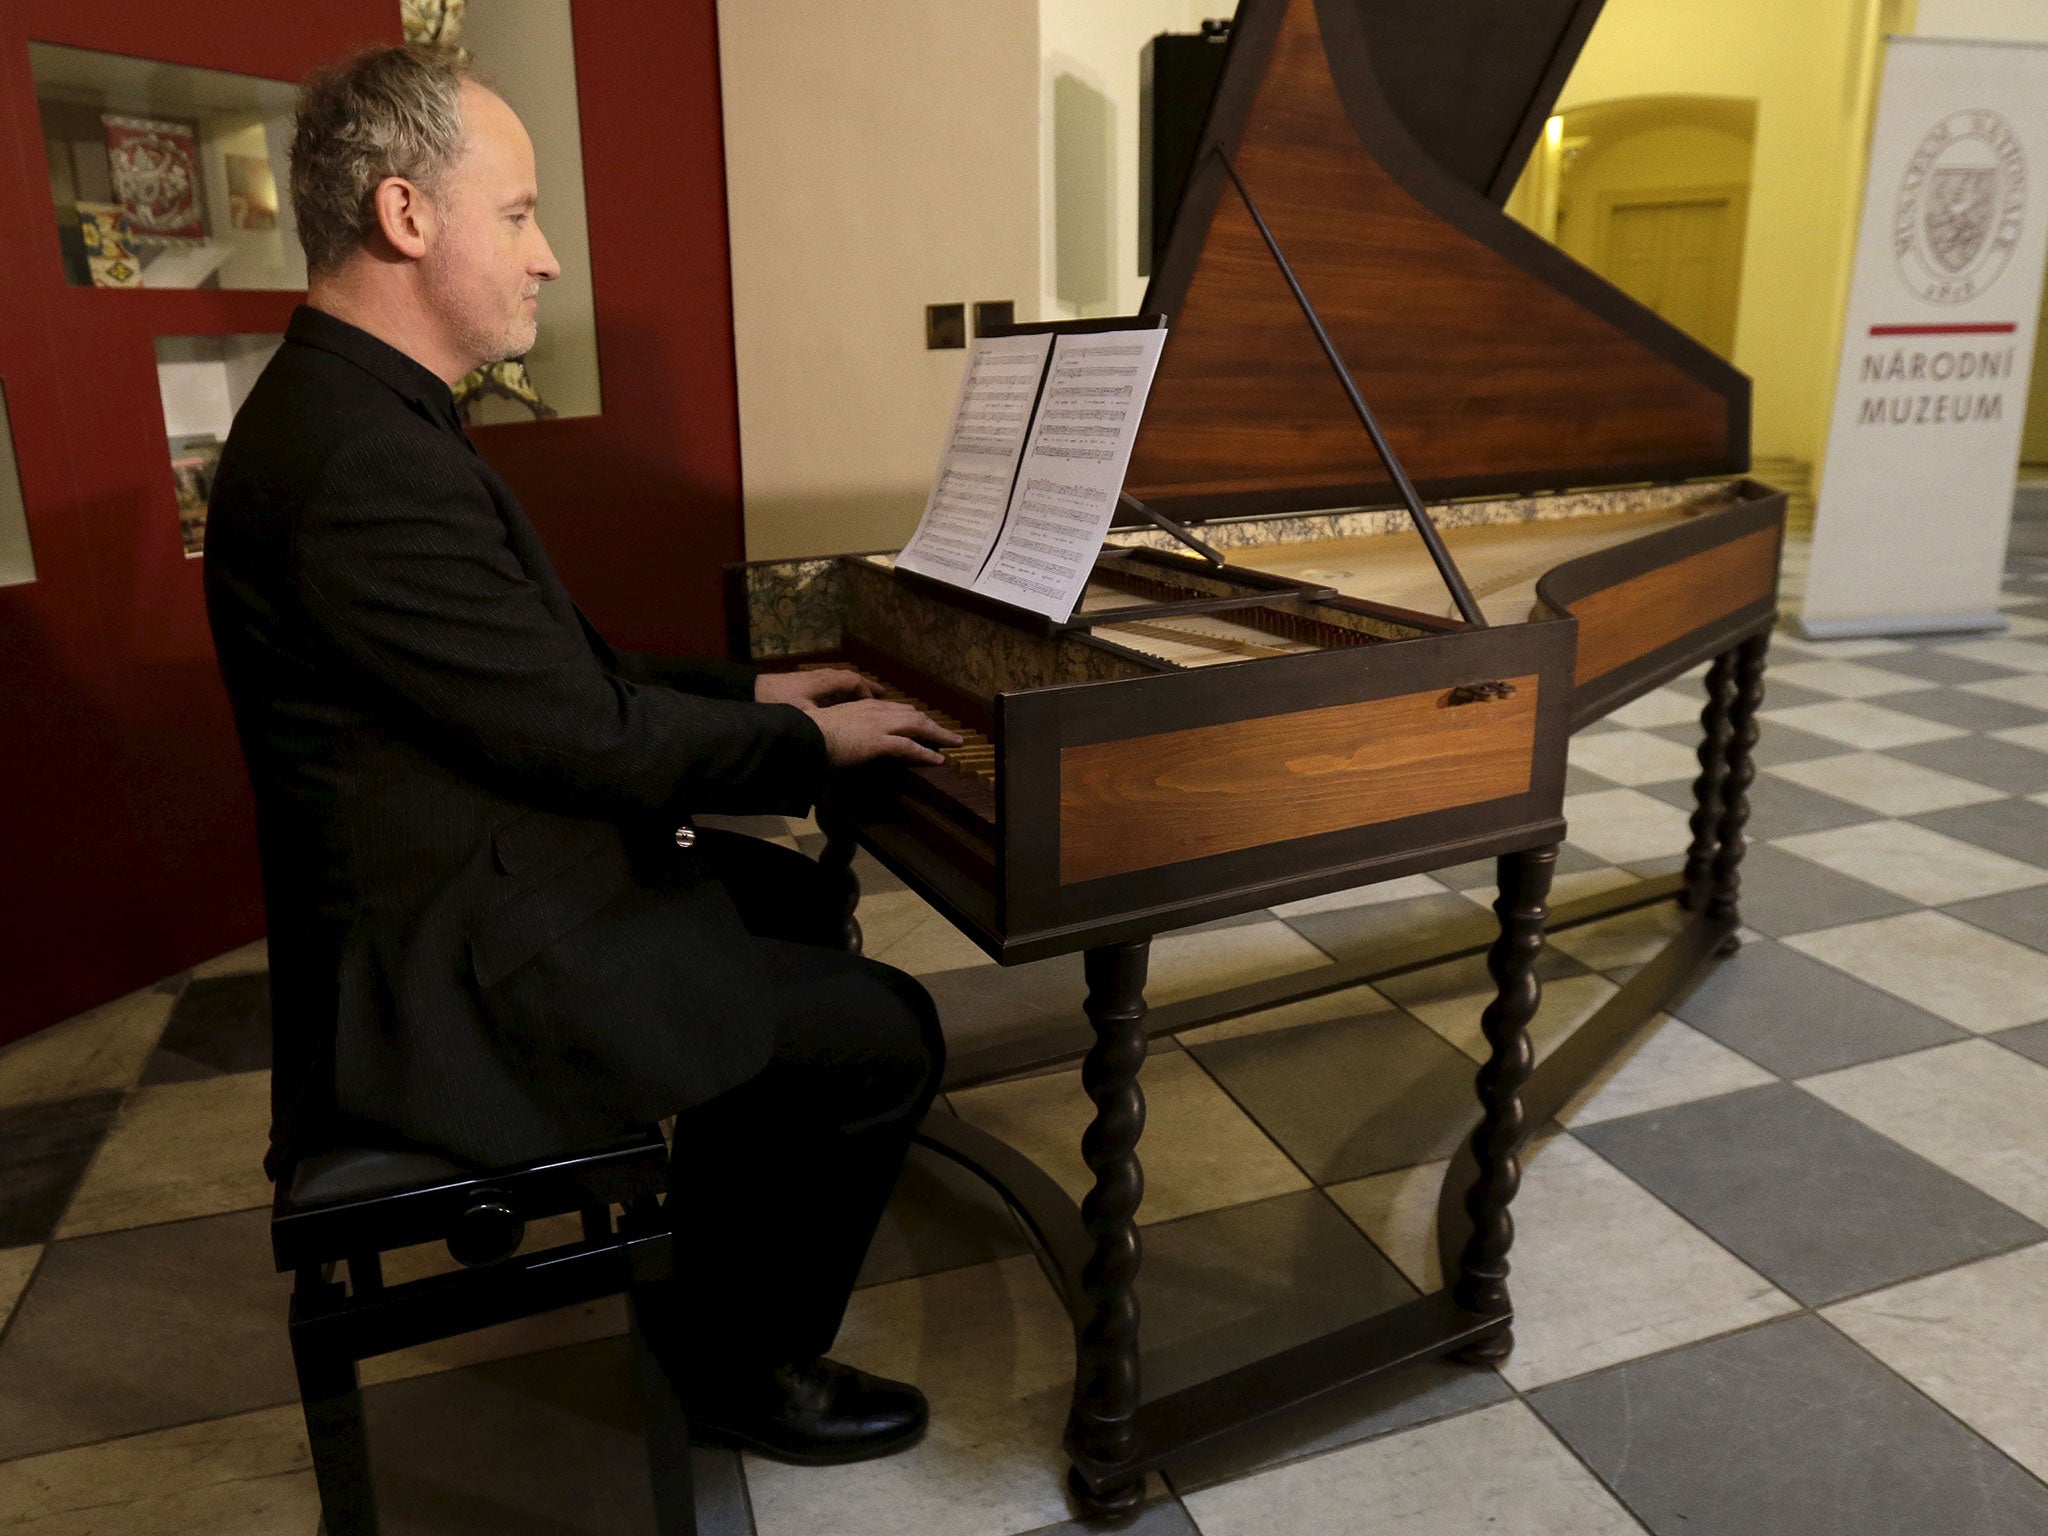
[1681, 254]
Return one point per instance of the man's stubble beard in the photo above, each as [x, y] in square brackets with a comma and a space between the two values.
[477, 336]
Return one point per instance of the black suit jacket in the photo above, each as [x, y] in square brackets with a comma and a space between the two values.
[484, 936]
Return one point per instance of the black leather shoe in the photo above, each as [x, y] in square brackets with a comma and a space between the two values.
[815, 1415]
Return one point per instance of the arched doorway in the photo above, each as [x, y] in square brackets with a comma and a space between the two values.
[1652, 192]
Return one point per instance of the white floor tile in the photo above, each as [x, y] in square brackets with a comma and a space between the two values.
[249, 1475]
[1185, 965]
[1843, 679]
[2029, 689]
[1974, 1339]
[103, 1051]
[1661, 707]
[1625, 939]
[2034, 736]
[1633, 757]
[1567, 1003]
[1623, 826]
[1973, 1107]
[16, 1266]
[1602, 1270]
[1857, 724]
[899, 928]
[2007, 651]
[1887, 785]
[1669, 1063]
[1576, 886]
[1351, 1003]
[1404, 889]
[236, 962]
[178, 1150]
[1200, 1150]
[1914, 862]
[991, 1348]
[1939, 963]
[1498, 1470]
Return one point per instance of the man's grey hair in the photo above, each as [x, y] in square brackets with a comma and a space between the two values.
[387, 112]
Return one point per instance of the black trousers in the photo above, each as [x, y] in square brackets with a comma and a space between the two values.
[778, 1185]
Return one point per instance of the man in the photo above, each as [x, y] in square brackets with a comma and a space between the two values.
[494, 931]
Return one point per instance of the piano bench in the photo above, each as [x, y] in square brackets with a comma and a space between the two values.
[351, 1206]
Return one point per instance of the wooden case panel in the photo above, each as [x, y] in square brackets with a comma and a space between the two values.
[1128, 807]
[1652, 607]
[1145, 801]
[1493, 360]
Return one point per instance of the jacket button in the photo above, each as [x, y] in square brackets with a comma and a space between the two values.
[686, 837]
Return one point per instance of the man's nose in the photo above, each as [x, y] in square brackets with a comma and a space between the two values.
[547, 269]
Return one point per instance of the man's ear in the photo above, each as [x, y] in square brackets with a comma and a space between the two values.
[404, 217]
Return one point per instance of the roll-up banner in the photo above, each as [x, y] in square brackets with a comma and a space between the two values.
[1923, 449]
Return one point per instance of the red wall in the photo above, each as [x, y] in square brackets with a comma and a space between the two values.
[127, 850]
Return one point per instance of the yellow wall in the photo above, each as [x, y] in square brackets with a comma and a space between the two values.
[881, 155]
[1810, 67]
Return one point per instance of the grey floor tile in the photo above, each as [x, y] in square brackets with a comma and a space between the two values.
[1932, 666]
[546, 1442]
[1479, 873]
[940, 1217]
[138, 1330]
[220, 1025]
[1796, 1016]
[1578, 781]
[1228, 1287]
[1348, 1097]
[1779, 694]
[1777, 808]
[1357, 933]
[44, 1152]
[1964, 711]
[2021, 916]
[1819, 1204]
[2030, 1040]
[1775, 744]
[1784, 894]
[983, 1006]
[1788, 1428]
[2016, 828]
[1995, 764]
[1415, 1394]
[1163, 1518]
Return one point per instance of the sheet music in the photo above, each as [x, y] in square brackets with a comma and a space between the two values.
[1073, 469]
[965, 511]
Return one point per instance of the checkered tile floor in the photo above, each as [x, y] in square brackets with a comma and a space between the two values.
[1783, 1270]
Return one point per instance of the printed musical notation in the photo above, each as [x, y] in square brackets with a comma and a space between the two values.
[1028, 484]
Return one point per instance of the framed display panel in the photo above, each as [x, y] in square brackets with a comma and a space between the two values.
[527, 50]
[17, 555]
[203, 381]
[164, 175]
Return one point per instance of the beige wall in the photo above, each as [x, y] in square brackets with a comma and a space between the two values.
[881, 155]
[1983, 18]
[528, 50]
[1089, 154]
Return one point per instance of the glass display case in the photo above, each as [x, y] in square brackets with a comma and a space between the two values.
[203, 381]
[166, 176]
[17, 557]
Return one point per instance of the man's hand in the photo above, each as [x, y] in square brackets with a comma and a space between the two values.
[813, 689]
[868, 729]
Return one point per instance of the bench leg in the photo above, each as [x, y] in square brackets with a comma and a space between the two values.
[668, 1436]
[333, 1401]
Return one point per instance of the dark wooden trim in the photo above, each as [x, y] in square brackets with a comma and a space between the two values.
[1570, 44]
[1379, 127]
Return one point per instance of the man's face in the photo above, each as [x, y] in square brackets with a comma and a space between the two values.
[488, 257]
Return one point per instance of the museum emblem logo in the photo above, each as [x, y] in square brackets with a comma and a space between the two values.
[1961, 206]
